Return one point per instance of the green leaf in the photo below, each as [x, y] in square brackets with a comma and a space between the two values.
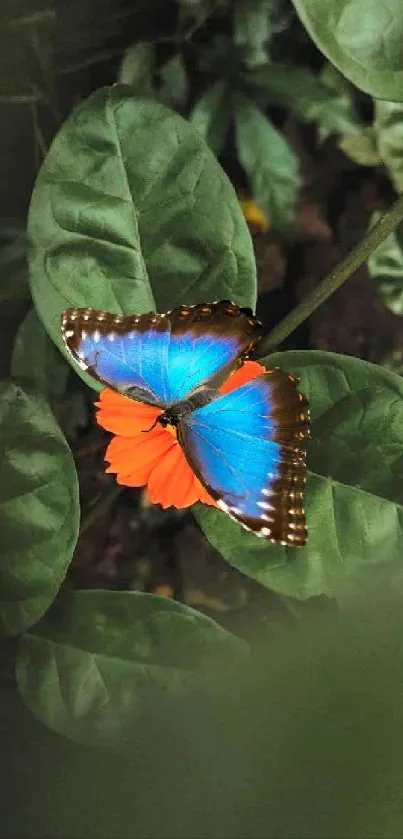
[362, 147]
[386, 267]
[388, 125]
[211, 116]
[310, 97]
[137, 68]
[363, 38]
[354, 494]
[131, 211]
[268, 162]
[39, 508]
[36, 361]
[251, 30]
[100, 661]
[174, 89]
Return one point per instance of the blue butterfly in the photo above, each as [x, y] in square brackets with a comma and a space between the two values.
[247, 446]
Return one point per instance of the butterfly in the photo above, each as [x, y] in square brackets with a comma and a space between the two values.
[247, 446]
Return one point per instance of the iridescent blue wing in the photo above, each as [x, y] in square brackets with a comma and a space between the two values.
[161, 358]
[247, 448]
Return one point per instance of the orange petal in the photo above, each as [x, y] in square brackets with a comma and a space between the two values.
[202, 494]
[122, 415]
[133, 458]
[171, 480]
[249, 370]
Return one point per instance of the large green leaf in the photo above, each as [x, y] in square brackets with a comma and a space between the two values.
[354, 495]
[36, 361]
[363, 38]
[268, 162]
[100, 661]
[211, 115]
[38, 506]
[131, 210]
[386, 268]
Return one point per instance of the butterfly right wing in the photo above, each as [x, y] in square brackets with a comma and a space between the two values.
[248, 450]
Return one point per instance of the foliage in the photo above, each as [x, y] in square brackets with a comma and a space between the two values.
[134, 265]
[386, 268]
[362, 38]
[244, 75]
[107, 657]
[40, 508]
[42, 370]
[388, 128]
[268, 162]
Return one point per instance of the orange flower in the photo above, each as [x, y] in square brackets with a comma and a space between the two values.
[155, 459]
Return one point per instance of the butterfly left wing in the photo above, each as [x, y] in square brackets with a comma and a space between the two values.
[160, 358]
[247, 448]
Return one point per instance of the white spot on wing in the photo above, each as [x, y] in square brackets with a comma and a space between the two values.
[96, 336]
[265, 505]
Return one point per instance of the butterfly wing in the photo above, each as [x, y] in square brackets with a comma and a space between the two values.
[161, 358]
[247, 448]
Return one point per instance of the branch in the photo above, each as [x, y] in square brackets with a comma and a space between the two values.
[387, 224]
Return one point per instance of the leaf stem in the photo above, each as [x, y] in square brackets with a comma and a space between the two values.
[326, 287]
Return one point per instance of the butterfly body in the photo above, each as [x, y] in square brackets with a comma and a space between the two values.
[179, 410]
[245, 446]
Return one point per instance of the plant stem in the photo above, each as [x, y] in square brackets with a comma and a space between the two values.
[100, 507]
[326, 287]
